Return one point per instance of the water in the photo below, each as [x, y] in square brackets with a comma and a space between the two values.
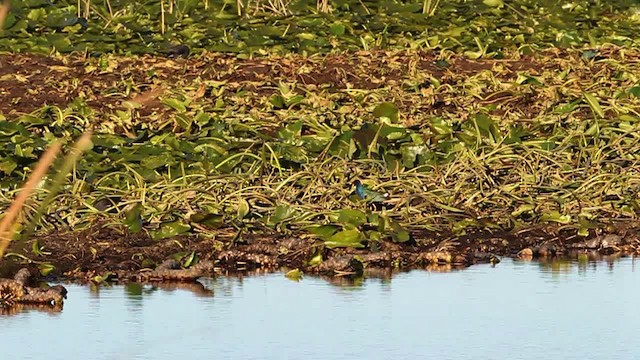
[517, 310]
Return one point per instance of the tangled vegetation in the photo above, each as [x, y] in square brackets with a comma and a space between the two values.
[479, 131]
[478, 28]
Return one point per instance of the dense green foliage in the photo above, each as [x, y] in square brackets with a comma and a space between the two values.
[478, 27]
[456, 144]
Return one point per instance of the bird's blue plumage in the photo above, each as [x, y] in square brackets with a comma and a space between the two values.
[367, 194]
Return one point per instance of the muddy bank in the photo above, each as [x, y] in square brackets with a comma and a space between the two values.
[29, 82]
[104, 254]
[22, 290]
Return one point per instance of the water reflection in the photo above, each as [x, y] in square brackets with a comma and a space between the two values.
[515, 310]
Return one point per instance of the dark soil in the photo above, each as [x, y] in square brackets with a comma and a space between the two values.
[104, 251]
[28, 82]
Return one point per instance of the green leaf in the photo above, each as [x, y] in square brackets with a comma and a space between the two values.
[583, 231]
[277, 101]
[7, 166]
[45, 268]
[280, 214]
[386, 109]
[8, 128]
[493, 3]
[191, 259]
[353, 217]
[555, 216]
[170, 229]
[133, 218]
[291, 131]
[175, 104]
[374, 235]
[440, 126]
[594, 104]
[212, 220]
[243, 209]
[156, 161]
[635, 91]
[36, 249]
[294, 100]
[98, 279]
[295, 275]
[345, 238]
[316, 260]
[324, 232]
[589, 54]
[399, 233]
[525, 208]
[337, 29]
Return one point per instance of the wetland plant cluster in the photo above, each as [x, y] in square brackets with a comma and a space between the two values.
[466, 120]
[478, 28]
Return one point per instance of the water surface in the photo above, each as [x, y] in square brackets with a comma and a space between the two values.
[516, 310]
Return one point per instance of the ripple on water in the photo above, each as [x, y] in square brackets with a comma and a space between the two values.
[515, 310]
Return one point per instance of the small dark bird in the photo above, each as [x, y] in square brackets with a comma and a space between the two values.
[364, 193]
[177, 51]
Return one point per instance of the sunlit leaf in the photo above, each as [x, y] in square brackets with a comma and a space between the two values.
[323, 231]
[351, 216]
[45, 268]
[243, 208]
[133, 218]
[170, 229]
[345, 238]
[295, 275]
[386, 109]
[555, 216]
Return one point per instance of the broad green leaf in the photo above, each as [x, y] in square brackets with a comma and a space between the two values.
[243, 208]
[7, 166]
[345, 238]
[523, 209]
[388, 110]
[190, 260]
[351, 216]
[170, 229]
[133, 218]
[176, 104]
[8, 128]
[493, 3]
[399, 234]
[99, 279]
[277, 101]
[212, 220]
[45, 268]
[635, 91]
[316, 260]
[324, 232]
[294, 100]
[555, 216]
[337, 29]
[295, 275]
[374, 235]
[155, 161]
[291, 131]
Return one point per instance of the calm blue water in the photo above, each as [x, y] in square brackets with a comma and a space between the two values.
[516, 310]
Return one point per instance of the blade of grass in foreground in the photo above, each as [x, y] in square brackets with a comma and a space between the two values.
[7, 224]
[12, 213]
[83, 144]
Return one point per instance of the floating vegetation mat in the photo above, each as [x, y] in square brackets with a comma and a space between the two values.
[387, 158]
